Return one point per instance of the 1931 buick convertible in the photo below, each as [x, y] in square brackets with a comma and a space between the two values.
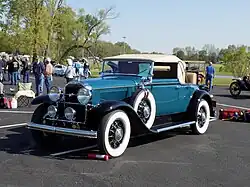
[136, 94]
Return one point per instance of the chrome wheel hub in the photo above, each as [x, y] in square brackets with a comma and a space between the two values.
[144, 111]
[201, 117]
[116, 134]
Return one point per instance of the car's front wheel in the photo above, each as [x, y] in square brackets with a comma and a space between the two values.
[202, 118]
[114, 133]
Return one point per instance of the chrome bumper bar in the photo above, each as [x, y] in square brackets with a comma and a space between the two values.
[63, 131]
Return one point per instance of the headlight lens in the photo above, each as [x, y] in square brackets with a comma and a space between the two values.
[52, 110]
[54, 97]
[55, 90]
[69, 113]
[84, 95]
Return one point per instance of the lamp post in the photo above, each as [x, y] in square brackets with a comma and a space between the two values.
[124, 37]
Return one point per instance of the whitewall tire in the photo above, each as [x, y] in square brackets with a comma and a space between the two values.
[144, 105]
[114, 133]
[202, 118]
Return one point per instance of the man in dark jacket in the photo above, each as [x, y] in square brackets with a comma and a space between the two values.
[26, 70]
[38, 70]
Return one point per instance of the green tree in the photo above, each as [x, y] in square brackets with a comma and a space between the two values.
[237, 61]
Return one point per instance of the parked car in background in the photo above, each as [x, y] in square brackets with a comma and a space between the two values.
[59, 70]
[136, 94]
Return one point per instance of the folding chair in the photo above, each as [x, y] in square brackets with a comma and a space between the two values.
[24, 94]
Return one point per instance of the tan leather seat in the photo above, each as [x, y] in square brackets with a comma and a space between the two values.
[191, 78]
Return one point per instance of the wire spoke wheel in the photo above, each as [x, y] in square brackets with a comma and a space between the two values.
[116, 134]
[144, 110]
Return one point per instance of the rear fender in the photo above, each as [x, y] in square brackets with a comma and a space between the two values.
[96, 114]
[197, 96]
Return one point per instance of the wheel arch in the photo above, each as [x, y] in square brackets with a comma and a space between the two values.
[97, 113]
[193, 104]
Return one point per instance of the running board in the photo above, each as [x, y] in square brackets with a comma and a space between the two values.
[168, 127]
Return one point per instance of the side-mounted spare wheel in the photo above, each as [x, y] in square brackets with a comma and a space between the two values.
[43, 139]
[202, 118]
[144, 105]
[114, 133]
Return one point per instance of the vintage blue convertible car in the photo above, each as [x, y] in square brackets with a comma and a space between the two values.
[136, 94]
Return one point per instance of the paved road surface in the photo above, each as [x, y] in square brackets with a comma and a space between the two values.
[219, 158]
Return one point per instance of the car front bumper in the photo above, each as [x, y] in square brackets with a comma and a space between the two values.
[62, 131]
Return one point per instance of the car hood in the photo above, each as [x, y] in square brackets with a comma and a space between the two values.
[111, 82]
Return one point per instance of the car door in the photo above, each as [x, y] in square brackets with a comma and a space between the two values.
[185, 94]
[166, 94]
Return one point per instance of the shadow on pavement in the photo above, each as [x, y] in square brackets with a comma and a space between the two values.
[19, 141]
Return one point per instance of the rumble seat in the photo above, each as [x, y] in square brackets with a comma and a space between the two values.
[191, 78]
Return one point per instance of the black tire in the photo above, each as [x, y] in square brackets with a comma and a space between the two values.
[117, 124]
[42, 139]
[233, 86]
[202, 118]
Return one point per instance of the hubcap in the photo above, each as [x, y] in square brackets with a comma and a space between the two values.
[116, 134]
[202, 116]
[144, 110]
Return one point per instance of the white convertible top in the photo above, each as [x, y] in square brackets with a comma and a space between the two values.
[160, 58]
[152, 57]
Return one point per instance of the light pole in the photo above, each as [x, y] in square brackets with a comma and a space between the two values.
[124, 37]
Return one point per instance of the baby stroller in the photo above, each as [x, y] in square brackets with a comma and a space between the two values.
[23, 94]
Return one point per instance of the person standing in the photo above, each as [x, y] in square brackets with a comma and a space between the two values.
[14, 67]
[2, 65]
[48, 74]
[70, 71]
[38, 70]
[26, 70]
[210, 72]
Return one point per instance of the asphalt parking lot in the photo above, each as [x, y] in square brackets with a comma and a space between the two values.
[219, 158]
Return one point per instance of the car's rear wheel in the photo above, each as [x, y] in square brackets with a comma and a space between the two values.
[114, 133]
[42, 139]
[202, 118]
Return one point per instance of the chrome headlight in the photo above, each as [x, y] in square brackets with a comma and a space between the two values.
[54, 97]
[69, 113]
[55, 90]
[52, 110]
[84, 95]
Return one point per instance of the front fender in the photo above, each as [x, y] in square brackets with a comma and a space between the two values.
[48, 99]
[197, 96]
[96, 114]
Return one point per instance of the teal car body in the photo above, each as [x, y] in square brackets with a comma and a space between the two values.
[135, 94]
[171, 96]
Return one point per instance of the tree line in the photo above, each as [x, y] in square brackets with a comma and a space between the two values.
[52, 28]
[235, 59]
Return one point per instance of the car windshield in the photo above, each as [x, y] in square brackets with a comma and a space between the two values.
[126, 67]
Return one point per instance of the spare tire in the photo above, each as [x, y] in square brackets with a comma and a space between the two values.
[144, 105]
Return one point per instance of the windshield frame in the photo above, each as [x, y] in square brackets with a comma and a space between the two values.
[150, 73]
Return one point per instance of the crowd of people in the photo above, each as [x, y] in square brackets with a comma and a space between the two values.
[14, 69]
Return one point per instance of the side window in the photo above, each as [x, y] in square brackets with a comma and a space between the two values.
[165, 71]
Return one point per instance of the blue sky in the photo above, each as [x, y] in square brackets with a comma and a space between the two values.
[161, 25]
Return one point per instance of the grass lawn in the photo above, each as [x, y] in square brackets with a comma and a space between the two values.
[222, 81]
[218, 72]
